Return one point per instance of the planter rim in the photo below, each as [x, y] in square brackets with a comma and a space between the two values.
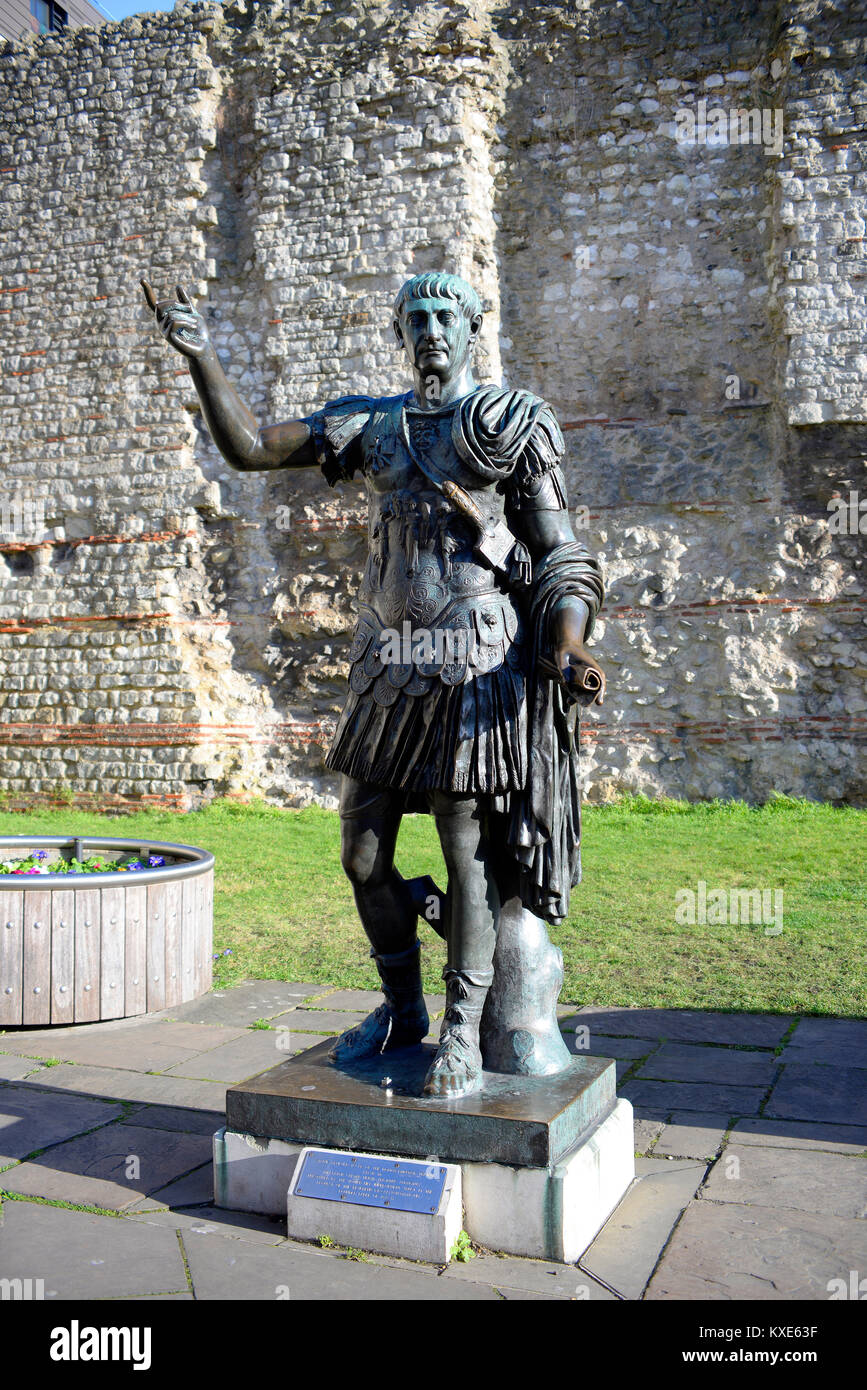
[199, 861]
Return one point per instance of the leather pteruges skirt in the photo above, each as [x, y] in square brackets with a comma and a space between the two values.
[416, 730]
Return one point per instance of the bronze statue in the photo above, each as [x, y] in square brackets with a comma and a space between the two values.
[466, 669]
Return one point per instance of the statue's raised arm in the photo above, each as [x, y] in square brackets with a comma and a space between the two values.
[232, 426]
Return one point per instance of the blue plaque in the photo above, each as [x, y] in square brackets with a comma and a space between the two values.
[364, 1181]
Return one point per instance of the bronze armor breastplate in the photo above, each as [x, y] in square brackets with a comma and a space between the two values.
[428, 608]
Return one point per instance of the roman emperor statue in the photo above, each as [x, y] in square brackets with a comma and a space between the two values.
[467, 669]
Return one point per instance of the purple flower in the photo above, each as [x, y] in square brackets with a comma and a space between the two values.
[156, 861]
[227, 953]
[40, 854]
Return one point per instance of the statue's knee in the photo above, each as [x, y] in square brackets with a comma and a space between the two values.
[361, 864]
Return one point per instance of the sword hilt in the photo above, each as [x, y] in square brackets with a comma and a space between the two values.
[464, 503]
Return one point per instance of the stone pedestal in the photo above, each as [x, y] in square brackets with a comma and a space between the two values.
[544, 1160]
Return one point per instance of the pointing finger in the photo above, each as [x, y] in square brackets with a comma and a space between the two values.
[183, 296]
[149, 295]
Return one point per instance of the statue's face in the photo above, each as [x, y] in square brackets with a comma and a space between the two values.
[436, 335]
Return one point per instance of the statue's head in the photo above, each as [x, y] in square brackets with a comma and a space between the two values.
[437, 318]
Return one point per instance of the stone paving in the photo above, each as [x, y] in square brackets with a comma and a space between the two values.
[750, 1138]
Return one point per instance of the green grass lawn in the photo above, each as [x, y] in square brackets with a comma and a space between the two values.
[284, 910]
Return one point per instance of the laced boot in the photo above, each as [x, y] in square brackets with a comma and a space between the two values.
[400, 1021]
[457, 1067]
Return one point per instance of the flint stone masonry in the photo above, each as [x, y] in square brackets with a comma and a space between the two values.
[694, 312]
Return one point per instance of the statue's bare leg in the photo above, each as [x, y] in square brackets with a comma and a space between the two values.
[472, 907]
[369, 821]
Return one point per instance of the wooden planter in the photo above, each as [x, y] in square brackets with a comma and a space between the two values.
[75, 948]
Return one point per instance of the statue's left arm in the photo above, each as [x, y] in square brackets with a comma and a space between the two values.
[540, 519]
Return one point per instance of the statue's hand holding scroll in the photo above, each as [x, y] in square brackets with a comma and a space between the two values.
[577, 672]
[178, 322]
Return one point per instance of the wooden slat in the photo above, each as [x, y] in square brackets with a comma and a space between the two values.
[112, 953]
[36, 985]
[190, 938]
[156, 946]
[62, 955]
[87, 934]
[174, 934]
[206, 929]
[11, 913]
[135, 950]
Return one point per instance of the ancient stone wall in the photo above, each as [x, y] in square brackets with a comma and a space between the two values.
[695, 312]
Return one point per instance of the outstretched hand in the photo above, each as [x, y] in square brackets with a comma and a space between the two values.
[178, 321]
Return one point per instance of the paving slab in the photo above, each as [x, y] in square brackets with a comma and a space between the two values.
[692, 1135]
[224, 1269]
[317, 992]
[826, 1054]
[722, 1250]
[131, 1085]
[92, 1169]
[529, 1276]
[646, 1133]
[363, 1001]
[36, 1042]
[836, 1095]
[839, 1032]
[170, 1117]
[242, 1004]
[151, 1297]
[82, 1256]
[192, 1190]
[122, 1051]
[13, 1067]
[353, 1000]
[835, 1184]
[652, 1114]
[36, 1045]
[239, 1059]
[206, 1219]
[32, 1118]
[626, 1049]
[795, 1134]
[725, 1066]
[688, 1025]
[627, 1248]
[668, 1096]
[527, 1296]
[193, 1037]
[622, 1068]
[318, 1020]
